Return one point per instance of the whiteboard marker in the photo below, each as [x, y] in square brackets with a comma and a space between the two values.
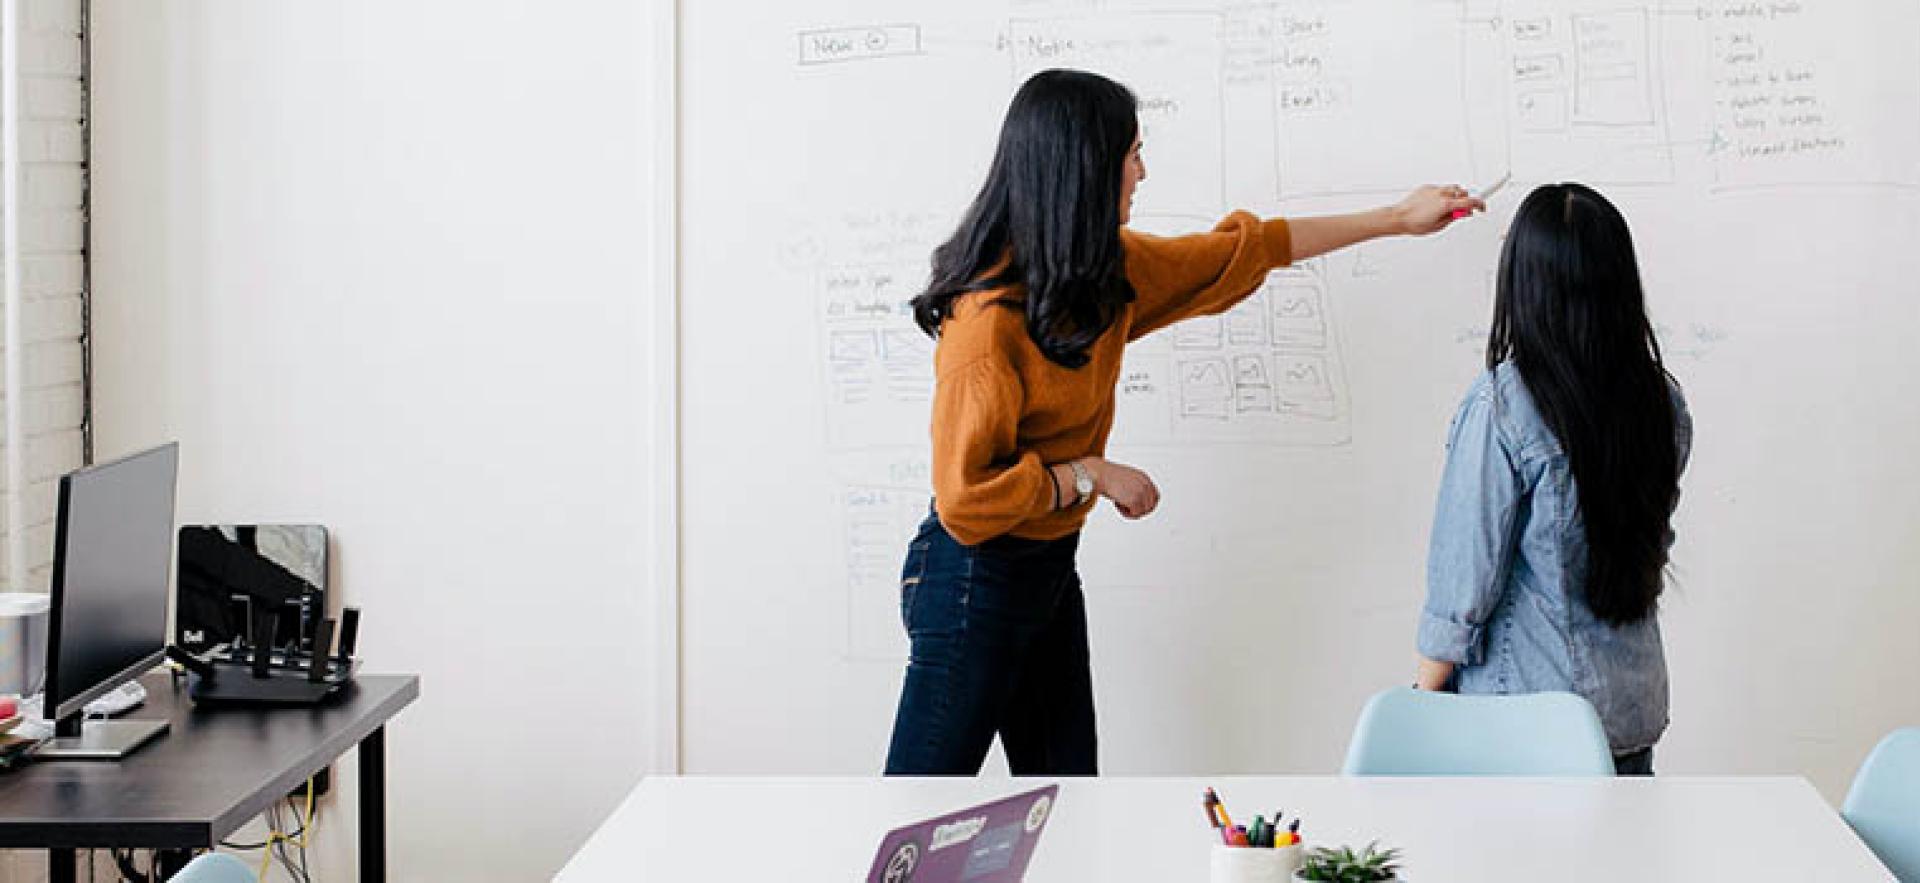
[1485, 194]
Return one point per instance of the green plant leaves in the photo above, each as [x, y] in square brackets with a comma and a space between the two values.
[1329, 865]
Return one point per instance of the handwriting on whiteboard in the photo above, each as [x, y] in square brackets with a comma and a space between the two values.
[859, 43]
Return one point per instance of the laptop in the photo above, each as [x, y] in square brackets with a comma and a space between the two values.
[989, 843]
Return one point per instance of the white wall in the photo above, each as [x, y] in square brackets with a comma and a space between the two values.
[384, 265]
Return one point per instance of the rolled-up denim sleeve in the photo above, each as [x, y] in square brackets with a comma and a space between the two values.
[1473, 535]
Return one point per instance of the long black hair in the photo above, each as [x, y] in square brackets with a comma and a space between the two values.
[1048, 217]
[1570, 314]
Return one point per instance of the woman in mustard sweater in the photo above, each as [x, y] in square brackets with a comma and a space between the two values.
[1032, 301]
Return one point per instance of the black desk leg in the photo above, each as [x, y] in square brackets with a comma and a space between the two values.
[60, 866]
[169, 861]
[373, 807]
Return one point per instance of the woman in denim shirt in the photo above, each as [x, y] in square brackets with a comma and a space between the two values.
[1551, 534]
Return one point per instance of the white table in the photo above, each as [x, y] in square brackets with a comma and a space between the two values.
[1124, 829]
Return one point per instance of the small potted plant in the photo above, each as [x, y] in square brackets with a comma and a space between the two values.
[1328, 865]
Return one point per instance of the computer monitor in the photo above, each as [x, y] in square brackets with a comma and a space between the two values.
[112, 554]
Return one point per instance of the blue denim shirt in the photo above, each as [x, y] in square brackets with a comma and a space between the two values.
[1507, 563]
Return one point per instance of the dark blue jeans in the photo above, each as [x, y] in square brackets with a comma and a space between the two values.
[999, 646]
[1638, 763]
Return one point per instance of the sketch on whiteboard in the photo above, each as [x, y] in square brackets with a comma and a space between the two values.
[878, 364]
[875, 365]
[1306, 386]
[1245, 327]
[1252, 386]
[1697, 342]
[878, 522]
[1585, 90]
[830, 45]
[1586, 93]
[1266, 372]
[1201, 333]
[1613, 69]
[1299, 313]
[1799, 97]
[1204, 390]
[1344, 122]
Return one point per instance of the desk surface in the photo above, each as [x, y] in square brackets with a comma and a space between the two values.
[1665, 828]
[211, 772]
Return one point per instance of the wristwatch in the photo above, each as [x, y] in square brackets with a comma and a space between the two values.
[1082, 481]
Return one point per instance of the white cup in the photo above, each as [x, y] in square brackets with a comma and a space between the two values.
[1252, 864]
[23, 642]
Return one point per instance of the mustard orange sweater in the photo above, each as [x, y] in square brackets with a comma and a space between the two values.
[1002, 412]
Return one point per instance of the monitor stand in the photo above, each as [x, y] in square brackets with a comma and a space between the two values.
[99, 739]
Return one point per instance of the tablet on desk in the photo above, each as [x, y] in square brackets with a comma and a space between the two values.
[989, 843]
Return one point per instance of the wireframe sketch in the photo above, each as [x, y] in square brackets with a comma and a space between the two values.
[1585, 92]
[878, 365]
[878, 523]
[1266, 372]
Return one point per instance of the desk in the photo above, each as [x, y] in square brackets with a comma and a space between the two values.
[213, 771]
[1119, 829]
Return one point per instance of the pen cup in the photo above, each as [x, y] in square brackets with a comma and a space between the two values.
[1253, 864]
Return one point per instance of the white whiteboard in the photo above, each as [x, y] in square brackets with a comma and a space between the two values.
[1767, 156]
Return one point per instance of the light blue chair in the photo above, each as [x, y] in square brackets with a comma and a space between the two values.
[215, 867]
[1884, 804]
[1407, 732]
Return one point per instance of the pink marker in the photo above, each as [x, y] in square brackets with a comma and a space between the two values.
[1485, 195]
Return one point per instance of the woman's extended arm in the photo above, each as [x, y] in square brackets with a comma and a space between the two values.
[1180, 277]
[1426, 210]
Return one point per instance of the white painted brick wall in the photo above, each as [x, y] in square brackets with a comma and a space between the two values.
[52, 281]
[49, 96]
[56, 407]
[53, 274]
[52, 271]
[52, 231]
[52, 363]
[52, 318]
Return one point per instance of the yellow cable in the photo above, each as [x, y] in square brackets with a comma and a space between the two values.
[266, 852]
[306, 824]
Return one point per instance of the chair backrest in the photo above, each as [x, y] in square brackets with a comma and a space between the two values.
[1406, 732]
[1884, 804]
[215, 867]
